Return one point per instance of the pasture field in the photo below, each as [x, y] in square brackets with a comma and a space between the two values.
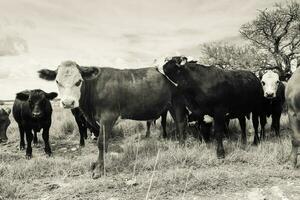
[138, 168]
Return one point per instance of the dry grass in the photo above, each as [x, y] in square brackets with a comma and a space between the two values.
[189, 172]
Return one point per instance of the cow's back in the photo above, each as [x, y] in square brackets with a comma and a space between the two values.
[20, 110]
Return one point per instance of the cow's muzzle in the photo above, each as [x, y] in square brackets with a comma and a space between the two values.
[68, 103]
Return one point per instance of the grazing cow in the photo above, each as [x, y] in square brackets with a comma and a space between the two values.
[105, 94]
[216, 92]
[83, 125]
[32, 111]
[273, 100]
[292, 96]
[4, 123]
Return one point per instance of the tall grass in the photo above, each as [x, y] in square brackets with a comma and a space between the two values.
[179, 172]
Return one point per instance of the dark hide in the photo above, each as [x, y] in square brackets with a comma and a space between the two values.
[217, 92]
[138, 94]
[32, 111]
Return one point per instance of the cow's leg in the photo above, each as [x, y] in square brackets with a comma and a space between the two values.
[22, 142]
[29, 137]
[242, 122]
[81, 123]
[263, 121]
[205, 131]
[226, 127]
[45, 135]
[181, 122]
[107, 123]
[35, 139]
[276, 123]
[148, 123]
[295, 126]
[255, 126]
[219, 126]
[164, 124]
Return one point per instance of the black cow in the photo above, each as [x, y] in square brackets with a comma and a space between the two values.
[216, 92]
[4, 123]
[32, 111]
[274, 100]
[105, 94]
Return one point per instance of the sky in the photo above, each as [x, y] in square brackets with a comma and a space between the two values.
[36, 34]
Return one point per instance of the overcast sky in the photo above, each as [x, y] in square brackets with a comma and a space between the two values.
[116, 33]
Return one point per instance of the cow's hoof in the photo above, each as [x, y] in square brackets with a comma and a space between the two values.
[221, 154]
[254, 143]
[28, 157]
[243, 146]
[49, 154]
[81, 144]
[97, 170]
[96, 175]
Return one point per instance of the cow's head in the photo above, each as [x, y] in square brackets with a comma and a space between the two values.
[270, 81]
[172, 68]
[4, 123]
[69, 77]
[36, 100]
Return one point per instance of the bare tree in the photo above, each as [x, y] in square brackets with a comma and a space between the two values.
[229, 56]
[277, 32]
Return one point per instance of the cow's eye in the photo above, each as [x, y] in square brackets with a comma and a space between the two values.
[263, 83]
[77, 84]
[277, 82]
[58, 83]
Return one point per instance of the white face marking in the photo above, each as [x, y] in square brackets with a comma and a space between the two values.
[69, 82]
[159, 63]
[270, 81]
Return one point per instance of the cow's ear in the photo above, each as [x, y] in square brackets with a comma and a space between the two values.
[23, 96]
[89, 73]
[260, 74]
[7, 110]
[183, 61]
[47, 74]
[51, 95]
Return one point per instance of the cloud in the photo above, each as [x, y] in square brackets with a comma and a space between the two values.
[114, 33]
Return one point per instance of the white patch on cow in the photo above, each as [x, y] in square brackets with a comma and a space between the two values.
[189, 111]
[69, 82]
[159, 63]
[270, 81]
[208, 119]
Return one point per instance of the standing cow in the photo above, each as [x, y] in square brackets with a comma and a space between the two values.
[273, 100]
[4, 123]
[32, 111]
[105, 94]
[292, 95]
[216, 92]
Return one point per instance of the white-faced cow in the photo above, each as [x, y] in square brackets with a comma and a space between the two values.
[292, 95]
[105, 94]
[209, 90]
[273, 100]
[32, 111]
[4, 122]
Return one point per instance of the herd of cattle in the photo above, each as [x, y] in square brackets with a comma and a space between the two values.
[98, 97]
